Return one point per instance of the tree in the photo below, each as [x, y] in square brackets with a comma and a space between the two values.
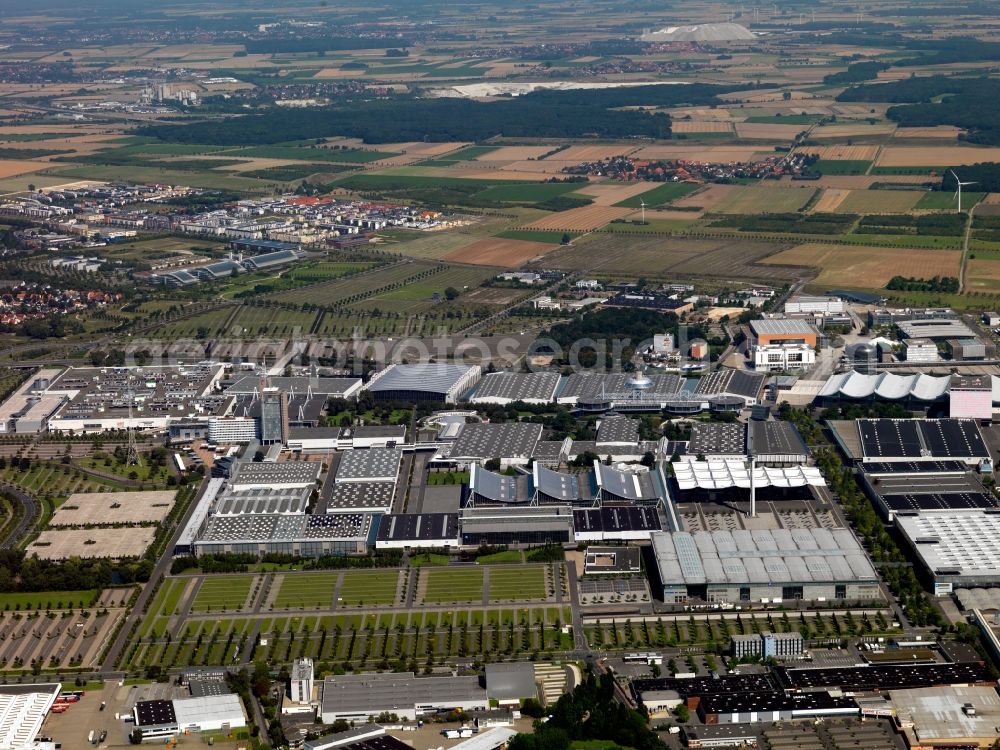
[566, 239]
[451, 293]
[648, 459]
[786, 95]
[533, 708]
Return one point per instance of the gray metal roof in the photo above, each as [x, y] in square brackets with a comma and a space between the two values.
[510, 681]
[517, 386]
[625, 484]
[375, 693]
[761, 556]
[555, 484]
[494, 487]
[371, 464]
[358, 496]
[776, 439]
[275, 474]
[618, 430]
[503, 440]
[432, 377]
[718, 439]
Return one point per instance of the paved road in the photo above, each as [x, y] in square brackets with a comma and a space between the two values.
[31, 510]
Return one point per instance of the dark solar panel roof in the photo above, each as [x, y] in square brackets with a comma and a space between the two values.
[921, 438]
[914, 467]
[418, 527]
[890, 437]
[940, 501]
[155, 713]
[886, 677]
[708, 685]
[616, 519]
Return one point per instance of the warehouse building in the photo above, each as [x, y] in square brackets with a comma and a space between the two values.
[959, 549]
[521, 525]
[921, 487]
[418, 531]
[616, 524]
[953, 717]
[249, 385]
[356, 697]
[767, 566]
[211, 713]
[513, 443]
[304, 535]
[892, 440]
[509, 387]
[371, 465]
[432, 381]
[23, 709]
[357, 497]
[938, 329]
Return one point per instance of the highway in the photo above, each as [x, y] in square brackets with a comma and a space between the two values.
[31, 510]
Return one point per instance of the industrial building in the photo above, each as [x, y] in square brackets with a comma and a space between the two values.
[249, 385]
[432, 381]
[274, 476]
[301, 535]
[937, 717]
[509, 387]
[767, 566]
[891, 440]
[509, 683]
[958, 548]
[783, 357]
[513, 443]
[937, 329]
[356, 697]
[371, 465]
[418, 531]
[781, 331]
[921, 487]
[27, 410]
[23, 708]
[804, 304]
[159, 719]
[534, 525]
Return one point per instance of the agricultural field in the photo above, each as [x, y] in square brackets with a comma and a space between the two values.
[939, 200]
[759, 200]
[872, 267]
[503, 253]
[879, 202]
[658, 196]
[309, 154]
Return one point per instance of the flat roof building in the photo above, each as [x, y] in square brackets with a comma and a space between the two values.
[509, 387]
[782, 331]
[763, 566]
[432, 381]
[355, 697]
[370, 465]
[513, 443]
[23, 709]
[948, 716]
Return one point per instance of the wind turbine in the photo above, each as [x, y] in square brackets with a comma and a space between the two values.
[642, 204]
[958, 193]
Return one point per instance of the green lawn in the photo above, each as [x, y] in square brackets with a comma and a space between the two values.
[369, 587]
[223, 593]
[49, 600]
[307, 590]
[448, 585]
[517, 583]
[665, 193]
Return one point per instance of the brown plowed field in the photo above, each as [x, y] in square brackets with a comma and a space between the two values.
[870, 267]
[583, 219]
[499, 252]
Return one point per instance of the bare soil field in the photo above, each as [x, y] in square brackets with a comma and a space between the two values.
[583, 219]
[625, 254]
[940, 131]
[830, 200]
[841, 152]
[422, 149]
[707, 198]
[869, 267]
[702, 126]
[499, 252]
[577, 154]
[768, 131]
[940, 156]
[854, 130]
[14, 167]
[610, 193]
[879, 201]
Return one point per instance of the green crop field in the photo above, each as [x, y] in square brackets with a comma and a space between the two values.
[841, 166]
[947, 201]
[368, 587]
[307, 591]
[526, 192]
[784, 119]
[312, 154]
[291, 172]
[517, 583]
[665, 193]
[223, 593]
[463, 154]
[764, 200]
[397, 182]
[325, 271]
[452, 585]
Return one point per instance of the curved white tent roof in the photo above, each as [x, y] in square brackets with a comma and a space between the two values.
[716, 475]
[891, 386]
